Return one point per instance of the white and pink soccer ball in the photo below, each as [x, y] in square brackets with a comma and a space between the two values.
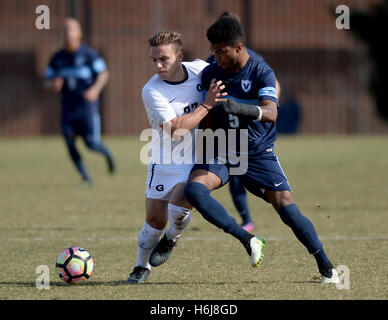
[74, 264]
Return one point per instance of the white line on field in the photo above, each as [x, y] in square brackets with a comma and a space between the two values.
[328, 238]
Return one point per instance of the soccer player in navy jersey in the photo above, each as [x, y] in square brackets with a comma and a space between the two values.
[80, 74]
[236, 188]
[252, 106]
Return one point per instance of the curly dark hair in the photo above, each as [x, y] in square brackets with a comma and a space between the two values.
[227, 30]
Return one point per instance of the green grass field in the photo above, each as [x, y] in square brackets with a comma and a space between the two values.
[339, 182]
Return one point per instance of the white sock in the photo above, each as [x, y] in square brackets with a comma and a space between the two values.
[147, 240]
[179, 218]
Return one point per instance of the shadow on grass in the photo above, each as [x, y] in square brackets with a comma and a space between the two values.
[229, 283]
[63, 284]
[124, 283]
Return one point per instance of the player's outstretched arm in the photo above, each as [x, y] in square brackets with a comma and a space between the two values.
[181, 125]
[266, 112]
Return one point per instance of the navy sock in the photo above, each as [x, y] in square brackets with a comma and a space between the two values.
[323, 261]
[76, 158]
[199, 196]
[305, 232]
[239, 196]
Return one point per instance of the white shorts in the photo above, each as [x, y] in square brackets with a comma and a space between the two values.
[162, 178]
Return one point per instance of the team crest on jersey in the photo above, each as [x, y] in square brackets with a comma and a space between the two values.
[246, 85]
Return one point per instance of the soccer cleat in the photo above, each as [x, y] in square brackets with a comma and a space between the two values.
[255, 250]
[138, 275]
[162, 251]
[249, 227]
[329, 276]
[111, 165]
[86, 184]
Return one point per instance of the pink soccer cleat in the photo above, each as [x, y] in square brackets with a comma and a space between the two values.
[249, 227]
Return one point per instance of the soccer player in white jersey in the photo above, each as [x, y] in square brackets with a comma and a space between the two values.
[174, 102]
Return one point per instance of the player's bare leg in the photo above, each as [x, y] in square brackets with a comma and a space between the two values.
[179, 216]
[304, 230]
[149, 235]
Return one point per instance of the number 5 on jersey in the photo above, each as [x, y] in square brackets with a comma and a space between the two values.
[233, 121]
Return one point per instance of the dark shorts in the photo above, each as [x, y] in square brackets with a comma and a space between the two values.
[220, 170]
[264, 173]
[87, 127]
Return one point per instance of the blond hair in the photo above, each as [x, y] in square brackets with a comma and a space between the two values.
[166, 37]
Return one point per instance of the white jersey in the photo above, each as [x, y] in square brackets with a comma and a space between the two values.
[165, 101]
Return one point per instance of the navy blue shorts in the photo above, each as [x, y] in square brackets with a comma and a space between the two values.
[87, 127]
[264, 173]
[220, 170]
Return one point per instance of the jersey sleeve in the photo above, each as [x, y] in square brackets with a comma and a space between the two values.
[196, 66]
[205, 80]
[97, 63]
[267, 84]
[52, 69]
[158, 109]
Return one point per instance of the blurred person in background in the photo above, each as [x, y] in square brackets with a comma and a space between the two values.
[79, 73]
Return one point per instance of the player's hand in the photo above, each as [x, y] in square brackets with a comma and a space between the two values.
[91, 94]
[57, 84]
[214, 94]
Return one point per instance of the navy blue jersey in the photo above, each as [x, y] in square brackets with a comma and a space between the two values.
[253, 83]
[79, 70]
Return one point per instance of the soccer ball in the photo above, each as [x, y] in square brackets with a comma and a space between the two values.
[74, 264]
